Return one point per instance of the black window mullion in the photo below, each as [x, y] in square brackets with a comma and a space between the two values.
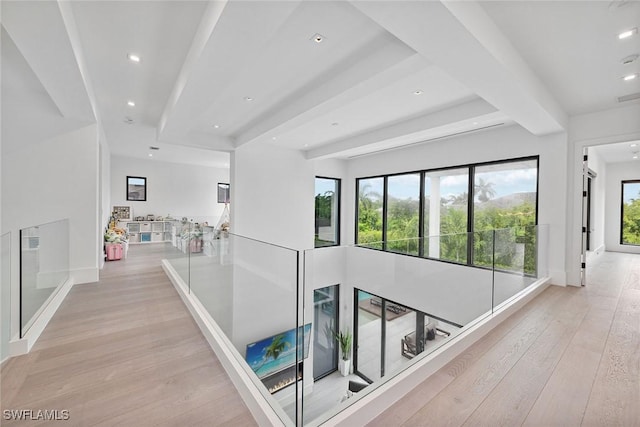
[421, 216]
[385, 196]
[470, 240]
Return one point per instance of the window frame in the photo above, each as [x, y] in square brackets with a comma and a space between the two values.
[471, 167]
[622, 183]
[338, 197]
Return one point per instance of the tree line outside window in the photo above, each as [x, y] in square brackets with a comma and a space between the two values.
[450, 214]
[630, 217]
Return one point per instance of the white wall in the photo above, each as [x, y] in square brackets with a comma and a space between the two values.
[174, 189]
[598, 191]
[49, 181]
[272, 192]
[105, 191]
[587, 130]
[616, 173]
[499, 144]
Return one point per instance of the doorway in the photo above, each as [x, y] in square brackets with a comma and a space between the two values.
[325, 316]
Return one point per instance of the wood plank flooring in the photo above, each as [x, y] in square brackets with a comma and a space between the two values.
[124, 352]
[571, 357]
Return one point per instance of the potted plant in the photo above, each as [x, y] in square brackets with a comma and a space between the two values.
[344, 340]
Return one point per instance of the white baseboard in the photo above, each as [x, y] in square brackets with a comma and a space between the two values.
[260, 406]
[85, 275]
[24, 344]
[558, 277]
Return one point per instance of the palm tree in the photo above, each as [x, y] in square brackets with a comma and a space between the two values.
[484, 190]
[277, 346]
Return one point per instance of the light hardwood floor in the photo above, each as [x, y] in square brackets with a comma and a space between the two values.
[571, 357]
[125, 352]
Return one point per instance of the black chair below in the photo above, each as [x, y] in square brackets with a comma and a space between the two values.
[355, 386]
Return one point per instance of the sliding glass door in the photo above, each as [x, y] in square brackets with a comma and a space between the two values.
[325, 312]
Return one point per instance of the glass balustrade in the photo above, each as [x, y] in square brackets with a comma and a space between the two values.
[284, 313]
[5, 295]
[44, 268]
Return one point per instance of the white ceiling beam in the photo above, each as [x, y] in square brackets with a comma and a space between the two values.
[460, 38]
[39, 31]
[380, 64]
[216, 54]
[199, 139]
[450, 120]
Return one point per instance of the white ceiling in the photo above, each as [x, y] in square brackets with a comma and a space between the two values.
[620, 152]
[476, 65]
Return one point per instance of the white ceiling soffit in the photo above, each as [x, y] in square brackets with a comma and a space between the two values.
[482, 59]
[578, 55]
[40, 34]
[264, 50]
[471, 115]
[619, 152]
[29, 115]
[231, 35]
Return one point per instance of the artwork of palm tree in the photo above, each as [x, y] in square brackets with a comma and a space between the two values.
[277, 346]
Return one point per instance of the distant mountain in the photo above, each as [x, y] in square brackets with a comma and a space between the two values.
[509, 201]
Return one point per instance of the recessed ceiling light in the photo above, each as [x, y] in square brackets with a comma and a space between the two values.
[306, 145]
[629, 77]
[628, 33]
[635, 157]
[475, 123]
[248, 98]
[418, 92]
[318, 38]
[131, 103]
[150, 155]
[633, 145]
[133, 57]
[274, 138]
[216, 126]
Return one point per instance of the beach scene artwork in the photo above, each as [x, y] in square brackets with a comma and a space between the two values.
[276, 353]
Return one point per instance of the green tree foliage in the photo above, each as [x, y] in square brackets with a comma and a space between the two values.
[402, 225]
[513, 219]
[369, 217]
[324, 212]
[631, 222]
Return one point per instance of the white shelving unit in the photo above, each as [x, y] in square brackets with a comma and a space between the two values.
[149, 231]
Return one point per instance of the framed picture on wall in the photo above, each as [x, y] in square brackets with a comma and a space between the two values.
[137, 188]
[224, 192]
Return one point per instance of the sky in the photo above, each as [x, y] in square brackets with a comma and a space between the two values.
[631, 191]
[505, 182]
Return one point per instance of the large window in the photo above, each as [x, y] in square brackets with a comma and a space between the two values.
[370, 207]
[403, 213]
[465, 215]
[504, 199]
[630, 221]
[327, 229]
[446, 200]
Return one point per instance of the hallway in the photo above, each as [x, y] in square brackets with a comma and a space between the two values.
[570, 357]
[125, 352]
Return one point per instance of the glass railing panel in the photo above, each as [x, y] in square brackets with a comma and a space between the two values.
[181, 237]
[5, 295]
[250, 289]
[44, 264]
[516, 261]
[399, 308]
